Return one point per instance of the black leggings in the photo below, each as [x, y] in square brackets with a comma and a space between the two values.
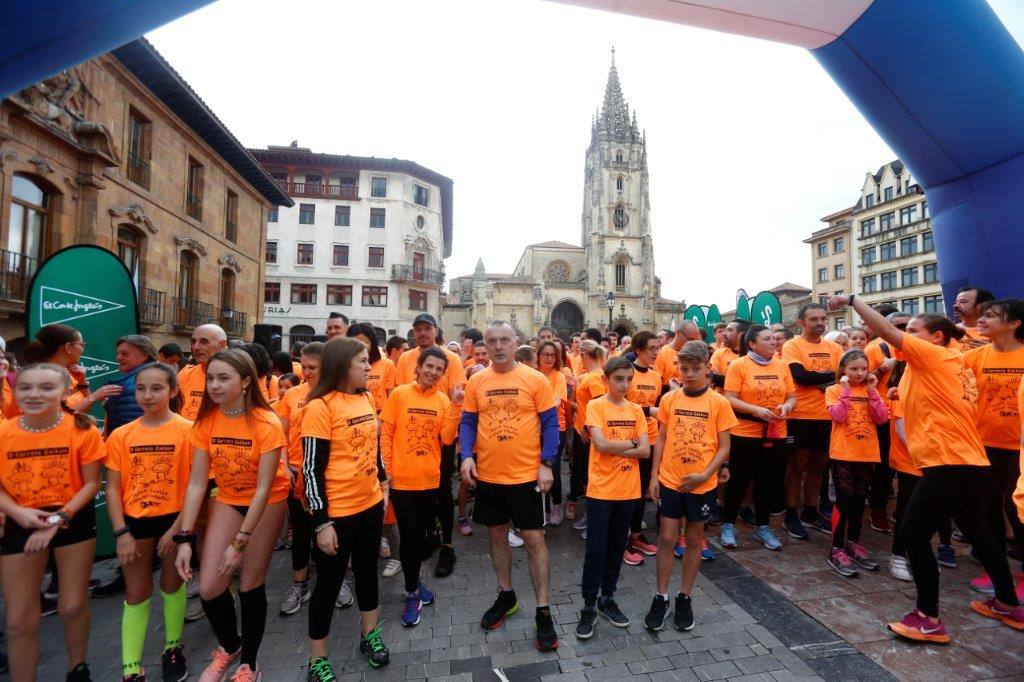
[758, 460]
[853, 481]
[445, 504]
[414, 512]
[957, 490]
[636, 523]
[1003, 474]
[579, 469]
[358, 538]
[905, 487]
[302, 534]
[881, 477]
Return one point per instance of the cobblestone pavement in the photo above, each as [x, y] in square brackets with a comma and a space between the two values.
[760, 616]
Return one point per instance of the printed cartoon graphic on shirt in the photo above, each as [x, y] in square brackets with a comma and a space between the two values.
[150, 472]
[692, 426]
[820, 362]
[620, 429]
[1001, 384]
[20, 480]
[858, 421]
[232, 464]
[503, 407]
[41, 472]
[970, 385]
[422, 430]
[363, 443]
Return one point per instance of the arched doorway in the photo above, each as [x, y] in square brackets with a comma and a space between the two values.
[623, 329]
[567, 318]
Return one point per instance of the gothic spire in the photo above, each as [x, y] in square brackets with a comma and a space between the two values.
[614, 119]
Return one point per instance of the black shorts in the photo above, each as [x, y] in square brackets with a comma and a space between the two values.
[497, 504]
[693, 507]
[811, 434]
[81, 528]
[148, 527]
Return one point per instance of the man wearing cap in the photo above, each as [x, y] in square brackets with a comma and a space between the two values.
[425, 333]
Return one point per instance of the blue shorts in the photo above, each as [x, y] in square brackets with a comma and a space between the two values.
[693, 507]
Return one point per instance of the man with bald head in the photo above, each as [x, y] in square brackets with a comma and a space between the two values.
[207, 340]
[667, 363]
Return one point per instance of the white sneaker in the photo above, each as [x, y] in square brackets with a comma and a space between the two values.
[192, 586]
[514, 540]
[345, 598]
[899, 568]
[580, 524]
[555, 518]
[385, 548]
[391, 568]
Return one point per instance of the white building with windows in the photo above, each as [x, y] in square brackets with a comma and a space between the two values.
[367, 237]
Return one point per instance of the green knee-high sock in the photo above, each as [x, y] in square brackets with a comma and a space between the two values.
[133, 633]
[174, 617]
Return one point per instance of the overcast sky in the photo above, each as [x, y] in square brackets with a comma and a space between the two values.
[749, 142]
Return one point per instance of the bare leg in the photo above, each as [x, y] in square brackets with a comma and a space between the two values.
[691, 559]
[666, 551]
[22, 573]
[501, 555]
[74, 562]
[537, 555]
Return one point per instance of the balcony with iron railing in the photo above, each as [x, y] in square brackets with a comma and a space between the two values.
[151, 307]
[189, 313]
[233, 322]
[138, 170]
[16, 271]
[414, 273]
[194, 206]
[320, 190]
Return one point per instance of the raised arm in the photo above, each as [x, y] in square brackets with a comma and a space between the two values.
[873, 319]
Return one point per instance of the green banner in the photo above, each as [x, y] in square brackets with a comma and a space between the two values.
[742, 309]
[695, 314]
[713, 318]
[90, 289]
[766, 309]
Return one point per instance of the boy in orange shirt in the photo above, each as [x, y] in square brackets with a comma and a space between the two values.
[693, 445]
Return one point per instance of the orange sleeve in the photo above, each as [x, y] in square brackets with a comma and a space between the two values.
[919, 352]
[469, 403]
[791, 353]
[543, 397]
[787, 379]
[734, 377]
[726, 419]
[832, 395]
[388, 380]
[199, 436]
[450, 421]
[269, 434]
[316, 420]
[664, 408]
[115, 449]
[91, 449]
[595, 414]
[456, 372]
[388, 419]
[1018, 494]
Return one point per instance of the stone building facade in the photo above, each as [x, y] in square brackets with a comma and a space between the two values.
[121, 153]
[832, 272]
[609, 281]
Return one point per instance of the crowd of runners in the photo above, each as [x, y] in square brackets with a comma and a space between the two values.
[326, 451]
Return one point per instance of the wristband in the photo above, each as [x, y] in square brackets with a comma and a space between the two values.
[123, 530]
[184, 536]
[244, 532]
[239, 544]
[59, 518]
[323, 526]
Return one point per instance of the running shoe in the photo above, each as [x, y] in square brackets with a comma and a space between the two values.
[958, 534]
[683, 618]
[583, 535]
[192, 586]
[445, 561]
[747, 517]
[706, 553]
[919, 628]
[373, 648]
[715, 518]
[465, 529]
[345, 598]
[220, 661]
[983, 583]
[135, 677]
[114, 587]
[727, 538]
[570, 510]
[514, 540]
[505, 605]
[585, 628]
[680, 549]
[656, 617]
[778, 509]
[556, 515]
[80, 673]
[392, 567]
[581, 523]
[294, 597]
[244, 673]
[426, 594]
[607, 607]
[823, 525]
[809, 515]
[946, 556]
[766, 536]
[630, 557]
[899, 568]
[795, 528]
[547, 638]
[640, 543]
[385, 548]
[841, 563]
[320, 670]
[174, 665]
[880, 521]
[411, 610]
[1009, 615]
[861, 556]
[194, 611]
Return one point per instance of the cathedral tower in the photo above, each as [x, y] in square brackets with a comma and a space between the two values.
[616, 230]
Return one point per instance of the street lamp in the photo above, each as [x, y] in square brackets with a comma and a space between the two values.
[611, 304]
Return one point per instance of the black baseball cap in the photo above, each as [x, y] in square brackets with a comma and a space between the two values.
[424, 317]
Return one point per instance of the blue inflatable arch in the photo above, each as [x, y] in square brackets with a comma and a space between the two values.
[951, 106]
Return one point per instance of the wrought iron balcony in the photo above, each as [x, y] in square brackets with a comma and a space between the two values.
[233, 322]
[413, 273]
[16, 271]
[138, 170]
[189, 313]
[151, 307]
[194, 206]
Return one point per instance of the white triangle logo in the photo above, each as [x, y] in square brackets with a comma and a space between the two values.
[60, 305]
[96, 368]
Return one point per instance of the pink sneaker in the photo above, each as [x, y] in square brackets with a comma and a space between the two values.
[632, 557]
[639, 543]
[983, 584]
[246, 674]
[1009, 615]
[220, 661]
[917, 627]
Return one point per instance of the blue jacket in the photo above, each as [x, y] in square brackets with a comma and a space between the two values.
[122, 409]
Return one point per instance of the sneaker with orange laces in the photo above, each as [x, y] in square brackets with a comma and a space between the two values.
[1009, 615]
[918, 627]
[680, 547]
[639, 543]
[246, 674]
[220, 661]
[706, 553]
[632, 557]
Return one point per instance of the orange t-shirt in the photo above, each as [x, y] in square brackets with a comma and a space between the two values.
[269, 388]
[722, 358]
[349, 422]
[454, 373]
[154, 462]
[964, 344]
[667, 363]
[645, 391]
[10, 404]
[381, 381]
[1018, 494]
[44, 470]
[940, 397]
[899, 457]
[613, 477]
[765, 386]
[591, 386]
[290, 407]
[192, 384]
[560, 389]
[575, 363]
[414, 424]
[855, 440]
[297, 369]
[692, 425]
[508, 405]
[998, 376]
[234, 446]
[815, 357]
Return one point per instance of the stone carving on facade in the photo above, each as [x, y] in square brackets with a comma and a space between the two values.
[558, 271]
[6, 154]
[43, 166]
[190, 244]
[134, 214]
[538, 293]
[228, 260]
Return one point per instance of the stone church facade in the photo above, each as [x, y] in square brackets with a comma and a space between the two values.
[609, 281]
